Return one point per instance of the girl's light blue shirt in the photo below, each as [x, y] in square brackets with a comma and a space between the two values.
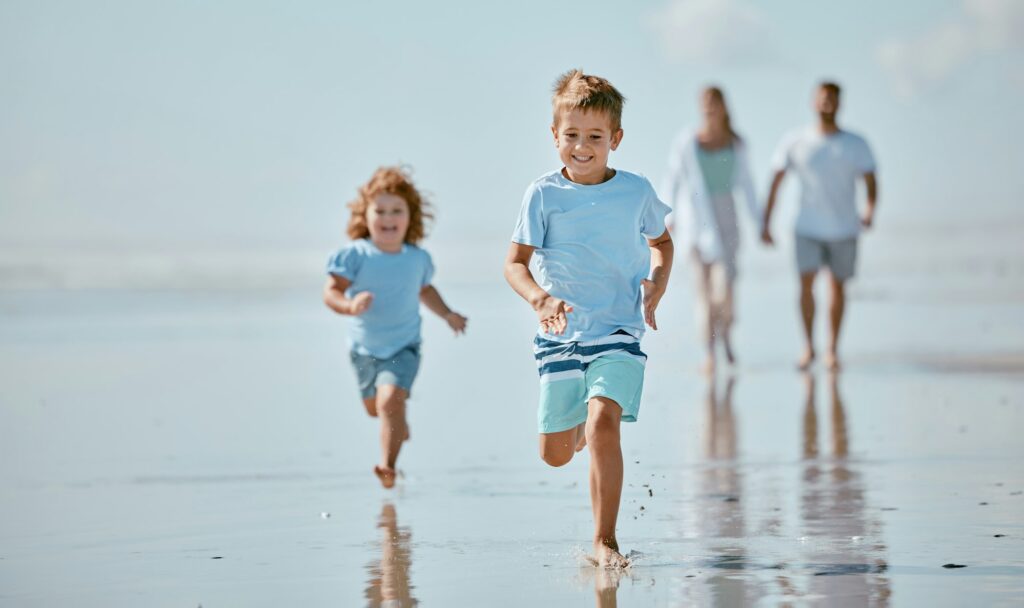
[592, 248]
[395, 279]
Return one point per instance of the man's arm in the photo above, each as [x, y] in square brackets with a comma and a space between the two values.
[550, 310]
[662, 251]
[871, 185]
[773, 192]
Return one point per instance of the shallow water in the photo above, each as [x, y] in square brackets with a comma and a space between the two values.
[170, 448]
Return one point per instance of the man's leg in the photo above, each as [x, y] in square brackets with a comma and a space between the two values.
[807, 316]
[393, 431]
[837, 304]
[603, 419]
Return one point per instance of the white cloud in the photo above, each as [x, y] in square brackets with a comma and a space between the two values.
[720, 33]
[928, 60]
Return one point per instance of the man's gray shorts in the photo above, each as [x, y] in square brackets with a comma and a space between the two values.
[399, 370]
[839, 256]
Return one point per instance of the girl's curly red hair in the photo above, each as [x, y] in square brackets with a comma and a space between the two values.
[390, 180]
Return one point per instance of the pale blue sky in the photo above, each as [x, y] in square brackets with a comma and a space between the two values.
[221, 124]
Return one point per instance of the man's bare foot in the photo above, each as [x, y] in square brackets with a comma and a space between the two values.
[729, 355]
[386, 476]
[581, 436]
[805, 361]
[606, 555]
[832, 362]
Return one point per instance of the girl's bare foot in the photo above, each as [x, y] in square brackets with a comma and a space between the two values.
[606, 555]
[386, 476]
[805, 361]
[581, 436]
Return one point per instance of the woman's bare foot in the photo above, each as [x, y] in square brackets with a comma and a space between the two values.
[581, 436]
[707, 368]
[805, 361]
[832, 362]
[386, 476]
[606, 555]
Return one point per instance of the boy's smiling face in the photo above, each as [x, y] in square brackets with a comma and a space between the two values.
[584, 141]
[387, 218]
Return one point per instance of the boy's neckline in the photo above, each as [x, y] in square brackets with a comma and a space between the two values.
[609, 179]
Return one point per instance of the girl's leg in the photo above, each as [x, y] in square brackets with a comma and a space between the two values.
[370, 403]
[603, 419]
[393, 430]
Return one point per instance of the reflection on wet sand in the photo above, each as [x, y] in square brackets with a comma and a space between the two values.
[389, 583]
[722, 519]
[829, 549]
[844, 552]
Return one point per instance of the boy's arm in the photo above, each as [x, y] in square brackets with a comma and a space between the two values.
[550, 310]
[334, 297]
[766, 234]
[431, 298]
[871, 185]
[662, 251]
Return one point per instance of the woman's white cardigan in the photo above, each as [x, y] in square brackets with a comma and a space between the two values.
[686, 192]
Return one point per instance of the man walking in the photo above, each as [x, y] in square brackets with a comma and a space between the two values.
[828, 162]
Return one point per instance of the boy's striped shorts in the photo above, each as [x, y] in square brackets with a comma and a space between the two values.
[572, 373]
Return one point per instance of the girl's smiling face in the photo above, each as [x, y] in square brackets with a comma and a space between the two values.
[387, 218]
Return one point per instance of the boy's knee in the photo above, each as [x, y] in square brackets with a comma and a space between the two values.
[603, 420]
[555, 457]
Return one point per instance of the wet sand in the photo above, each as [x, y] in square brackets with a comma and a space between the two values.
[182, 447]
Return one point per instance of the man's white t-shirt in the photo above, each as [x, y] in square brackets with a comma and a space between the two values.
[828, 166]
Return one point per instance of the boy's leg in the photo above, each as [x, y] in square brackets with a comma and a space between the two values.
[557, 449]
[807, 316]
[393, 429]
[603, 420]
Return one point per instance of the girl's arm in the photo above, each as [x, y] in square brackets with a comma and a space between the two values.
[431, 298]
[662, 251]
[334, 297]
[550, 310]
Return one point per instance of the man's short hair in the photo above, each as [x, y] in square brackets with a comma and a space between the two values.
[575, 90]
[830, 86]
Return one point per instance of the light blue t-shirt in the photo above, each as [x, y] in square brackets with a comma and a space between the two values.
[592, 248]
[395, 279]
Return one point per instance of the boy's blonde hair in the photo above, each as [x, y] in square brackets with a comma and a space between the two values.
[575, 90]
[390, 180]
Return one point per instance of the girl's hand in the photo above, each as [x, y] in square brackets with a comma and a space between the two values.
[652, 295]
[551, 313]
[457, 322]
[361, 302]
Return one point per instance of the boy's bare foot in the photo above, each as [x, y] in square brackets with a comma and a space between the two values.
[832, 362]
[386, 476]
[805, 361]
[581, 436]
[606, 555]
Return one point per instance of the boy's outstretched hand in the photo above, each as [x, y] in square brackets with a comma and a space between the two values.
[652, 296]
[551, 313]
[361, 302]
[457, 322]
